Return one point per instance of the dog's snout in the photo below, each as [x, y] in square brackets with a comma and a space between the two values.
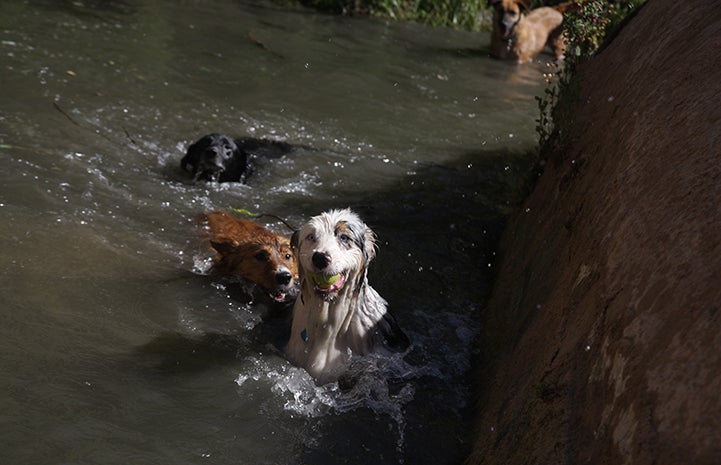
[283, 278]
[213, 160]
[321, 260]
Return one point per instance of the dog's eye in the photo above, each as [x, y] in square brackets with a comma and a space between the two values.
[288, 256]
[261, 256]
[345, 239]
[310, 237]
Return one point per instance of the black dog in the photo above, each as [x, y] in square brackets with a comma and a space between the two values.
[221, 158]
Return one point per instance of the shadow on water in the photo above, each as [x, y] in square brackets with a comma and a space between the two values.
[428, 268]
[178, 353]
[175, 353]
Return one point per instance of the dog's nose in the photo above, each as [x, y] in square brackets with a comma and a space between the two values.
[283, 277]
[321, 260]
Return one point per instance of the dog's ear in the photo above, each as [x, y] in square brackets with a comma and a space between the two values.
[192, 157]
[369, 245]
[295, 248]
[294, 241]
[224, 247]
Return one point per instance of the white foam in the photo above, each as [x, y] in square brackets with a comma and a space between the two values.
[380, 383]
[202, 264]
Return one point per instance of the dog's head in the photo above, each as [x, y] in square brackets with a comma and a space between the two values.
[507, 14]
[215, 157]
[269, 264]
[333, 250]
[248, 251]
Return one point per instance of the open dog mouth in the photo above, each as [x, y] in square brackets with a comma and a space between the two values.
[211, 173]
[327, 284]
[506, 32]
[283, 295]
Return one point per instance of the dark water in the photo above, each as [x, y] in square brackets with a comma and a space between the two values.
[116, 346]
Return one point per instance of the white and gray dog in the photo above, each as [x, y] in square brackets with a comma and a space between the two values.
[338, 314]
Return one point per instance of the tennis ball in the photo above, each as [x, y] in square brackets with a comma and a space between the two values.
[324, 281]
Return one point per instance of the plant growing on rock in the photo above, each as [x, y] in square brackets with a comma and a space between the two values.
[586, 28]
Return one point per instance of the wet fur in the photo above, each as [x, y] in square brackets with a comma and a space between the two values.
[248, 251]
[329, 326]
[521, 35]
[222, 158]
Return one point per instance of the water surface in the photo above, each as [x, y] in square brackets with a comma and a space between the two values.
[118, 346]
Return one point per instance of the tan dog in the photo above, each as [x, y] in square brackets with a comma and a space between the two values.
[521, 35]
[247, 250]
[338, 313]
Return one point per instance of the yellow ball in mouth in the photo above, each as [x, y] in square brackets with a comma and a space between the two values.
[324, 281]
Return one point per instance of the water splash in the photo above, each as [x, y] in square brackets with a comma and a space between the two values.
[383, 384]
[202, 264]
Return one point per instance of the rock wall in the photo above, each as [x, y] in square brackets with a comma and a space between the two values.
[602, 341]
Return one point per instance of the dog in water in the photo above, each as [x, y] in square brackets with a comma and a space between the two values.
[221, 158]
[521, 35]
[337, 313]
[248, 251]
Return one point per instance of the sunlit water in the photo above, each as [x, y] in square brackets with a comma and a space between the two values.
[117, 346]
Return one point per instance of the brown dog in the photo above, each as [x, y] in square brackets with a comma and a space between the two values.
[247, 250]
[521, 35]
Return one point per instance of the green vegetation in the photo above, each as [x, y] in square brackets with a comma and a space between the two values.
[460, 14]
[586, 28]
